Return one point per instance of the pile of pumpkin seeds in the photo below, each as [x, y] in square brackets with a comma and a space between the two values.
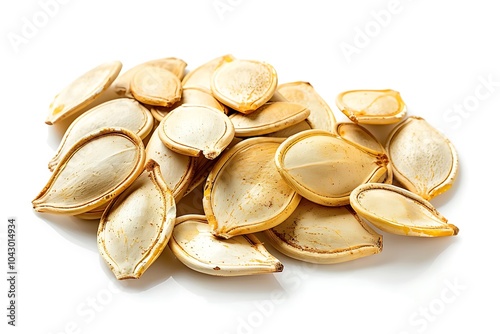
[269, 158]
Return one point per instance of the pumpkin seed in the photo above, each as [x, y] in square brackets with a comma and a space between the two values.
[82, 91]
[136, 225]
[372, 106]
[196, 129]
[320, 234]
[321, 117]
[121, 86]
[201, 76]
[176, 169]
[424, 161]
[244, 193]
[122, 112]
[96, 169]
[244, 85]
[399, 211]
[324, 168]
[194, 245]
[271, 117]
[156, 86]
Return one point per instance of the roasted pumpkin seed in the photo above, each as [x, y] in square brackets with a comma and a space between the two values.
[156, 86]
[194, 129]
[122, 112]
[82, 91]
[244, 85]
[423, 160]
[320, 234]
[96, 169]
[324, 168]
[301, 92]
[271, 117]
[194, 245]
[136, 225]
[399, 211]
[121, 86]
[372, 106]
[244, 192]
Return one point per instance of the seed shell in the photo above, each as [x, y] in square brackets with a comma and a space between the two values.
[194, 245]
[82, 91]
[96, 169]
[136, 225]
[399, 211]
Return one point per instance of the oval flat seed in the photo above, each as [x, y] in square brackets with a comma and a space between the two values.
[194, 245]
[82, 91]
[244, 85]
[244, 192]
[320, 234]
[399, 211]
[201, 76]
[271, 117]
[136, 225]
[177, 169]
[194, 129]
[321, 117]
[324, 168]
[122, 112]
[156, 86]
[372, 106]
[96, 169]
[121, 86]
[424, 161]
[359, 135]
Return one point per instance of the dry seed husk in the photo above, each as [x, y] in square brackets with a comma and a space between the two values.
[244, 85]
[177, 169]
[156, 86]
[122, 112]
[201, 76]
[271, 117]
[424, 161]
[136, 225]
[82, 91]
[321, 117]
[399, 211]
[324, 168]
[194, 129]
[194, 245]
[359, 135]
[372, 106]
[244, 192]
[320, 234]
[121, 86]
[96, 169]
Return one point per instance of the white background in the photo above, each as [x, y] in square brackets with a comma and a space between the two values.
[439, 54]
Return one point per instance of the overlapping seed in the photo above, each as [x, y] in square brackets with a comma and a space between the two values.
[247, 156]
